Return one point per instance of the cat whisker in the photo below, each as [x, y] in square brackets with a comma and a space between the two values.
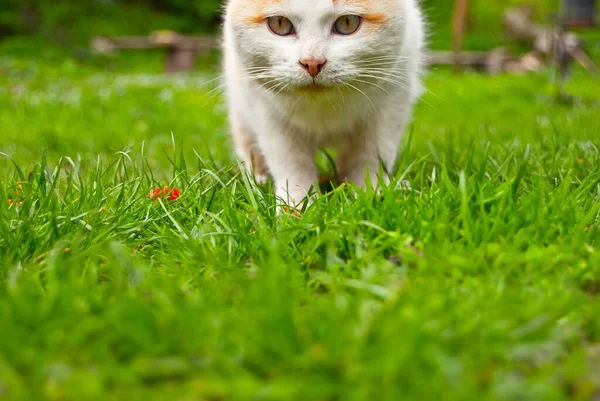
[256, 77]
[386, 65]
[389, 78]
[275, 84]
[363, 93]
[403, 86]
[401, 79]
[388, 73]
[386, 57]
[282, 89]
[293, 108]
[335, 106]
[251, 69]
[214, 92]
[373, 84]
[399, 84]
[213, 80]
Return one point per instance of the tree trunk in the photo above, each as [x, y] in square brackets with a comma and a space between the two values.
[459, 27]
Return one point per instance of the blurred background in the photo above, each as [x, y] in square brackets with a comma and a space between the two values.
[110, 57]
[72, 23]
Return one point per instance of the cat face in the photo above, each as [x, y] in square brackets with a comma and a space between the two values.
[290, 45]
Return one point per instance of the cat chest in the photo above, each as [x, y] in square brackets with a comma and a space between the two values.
[325, 119]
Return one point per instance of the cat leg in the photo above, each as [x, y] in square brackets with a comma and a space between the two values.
[374, 148]
[363, 154]
[291, 161]
[248, 151]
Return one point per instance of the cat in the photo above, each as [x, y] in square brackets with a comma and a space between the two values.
[305, 74]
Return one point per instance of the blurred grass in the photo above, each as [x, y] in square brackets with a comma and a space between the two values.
[107, 295]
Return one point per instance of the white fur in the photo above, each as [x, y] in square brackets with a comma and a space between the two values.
[372, 79]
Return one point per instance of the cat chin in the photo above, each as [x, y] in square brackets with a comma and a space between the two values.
[314, 89]
[309, 90]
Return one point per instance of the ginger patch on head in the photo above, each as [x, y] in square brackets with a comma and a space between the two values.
[256, 11]
[376, 18]
[374, 11]
[251, 11]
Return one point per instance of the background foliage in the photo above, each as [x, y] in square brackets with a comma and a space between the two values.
[59, 19]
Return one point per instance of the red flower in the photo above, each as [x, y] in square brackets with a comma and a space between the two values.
[157, 193]
[174, 194]
[170, 194]
[18, 192]
[293, 212]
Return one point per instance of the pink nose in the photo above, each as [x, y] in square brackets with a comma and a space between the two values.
[313, 66]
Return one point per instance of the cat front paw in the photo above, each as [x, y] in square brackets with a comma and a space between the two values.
[295, 197]
[261, 179]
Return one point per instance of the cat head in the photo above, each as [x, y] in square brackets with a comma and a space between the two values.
[292, 45]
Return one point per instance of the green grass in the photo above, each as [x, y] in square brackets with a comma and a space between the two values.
[480, 281]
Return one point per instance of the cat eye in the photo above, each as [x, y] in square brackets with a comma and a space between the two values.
[281, 26]
[347, 25]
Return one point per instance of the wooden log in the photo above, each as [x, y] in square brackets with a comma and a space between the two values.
[465, 58]
[553, 43]
[532, 61]
[109, 45]
[518, 22]
[584, 60]
[103, 45]
[198, 43]
[182, 51]
[497, 61]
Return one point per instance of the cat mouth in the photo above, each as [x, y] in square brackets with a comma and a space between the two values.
[314, 87]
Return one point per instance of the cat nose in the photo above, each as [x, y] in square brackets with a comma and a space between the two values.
[313, 66]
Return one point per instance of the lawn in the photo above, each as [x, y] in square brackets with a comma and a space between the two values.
[479, 280]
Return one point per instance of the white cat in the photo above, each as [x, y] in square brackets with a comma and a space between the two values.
[305, 74]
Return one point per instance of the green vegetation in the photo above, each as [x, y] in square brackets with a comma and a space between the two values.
[478, 281]
[72, 22]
